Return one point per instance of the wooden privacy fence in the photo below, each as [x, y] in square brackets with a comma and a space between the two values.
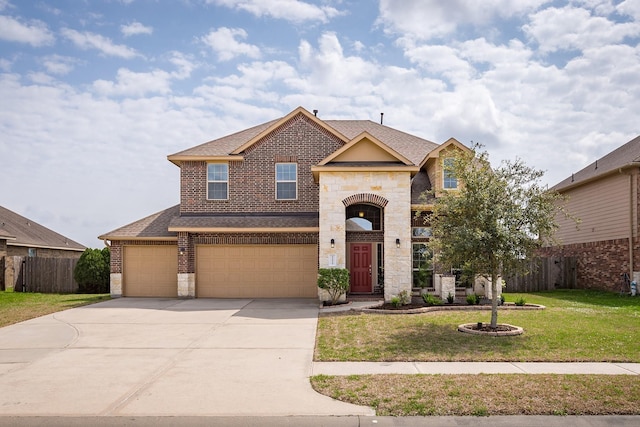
[546, 274]
[46, 275]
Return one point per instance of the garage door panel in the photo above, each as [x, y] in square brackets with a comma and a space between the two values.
[150, 271]
[253, 271]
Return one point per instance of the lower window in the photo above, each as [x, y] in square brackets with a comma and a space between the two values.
[422, 260]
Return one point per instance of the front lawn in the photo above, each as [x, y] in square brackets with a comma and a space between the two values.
[576, 326]
[483, 395]
[19, 306]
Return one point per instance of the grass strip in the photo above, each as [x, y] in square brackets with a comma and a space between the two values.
[576, 326]
[20, 306]
[486, 394]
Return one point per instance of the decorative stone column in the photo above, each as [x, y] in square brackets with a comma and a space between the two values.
[448, 285]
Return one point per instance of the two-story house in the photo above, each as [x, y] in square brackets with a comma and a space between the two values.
[262, 209]
[604, 196]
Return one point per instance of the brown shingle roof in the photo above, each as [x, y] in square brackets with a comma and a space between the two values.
[152, 227]
[225, 145]
[622, 157]
[410, 146]
[21, 231]
[247, 221]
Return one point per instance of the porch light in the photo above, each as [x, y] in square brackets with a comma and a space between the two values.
[397, 243]
[333, 243]
[181, 251]
[361, 214]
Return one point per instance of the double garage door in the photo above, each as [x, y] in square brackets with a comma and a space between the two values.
[233, 271]
[256, 271]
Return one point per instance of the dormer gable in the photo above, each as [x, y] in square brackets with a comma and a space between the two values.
[433, 164]
[365, 149]
[364, 152]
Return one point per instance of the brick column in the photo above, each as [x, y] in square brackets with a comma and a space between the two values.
[186, 266]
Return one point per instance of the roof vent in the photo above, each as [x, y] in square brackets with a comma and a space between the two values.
[315, 113]
[596, 164]
[381, 116]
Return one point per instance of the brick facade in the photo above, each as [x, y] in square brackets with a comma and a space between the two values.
[252, 181]
[599, 265]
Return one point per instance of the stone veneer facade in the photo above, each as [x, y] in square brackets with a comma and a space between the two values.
[337, 191]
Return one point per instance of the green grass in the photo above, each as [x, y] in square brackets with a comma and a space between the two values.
[19, 306]
[577, 325]
[485, 395]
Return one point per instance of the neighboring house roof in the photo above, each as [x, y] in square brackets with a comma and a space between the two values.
[623, 157]
[410, 146]
[21, 231]
[153, 227]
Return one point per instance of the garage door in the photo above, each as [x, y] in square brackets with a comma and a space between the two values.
[150, 271]
[257, 271]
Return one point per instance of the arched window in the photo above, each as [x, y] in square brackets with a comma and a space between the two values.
[364, 217]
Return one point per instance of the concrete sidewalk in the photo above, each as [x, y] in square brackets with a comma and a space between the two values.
[362, 368]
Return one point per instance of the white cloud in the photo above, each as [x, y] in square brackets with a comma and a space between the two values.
[133, 84]
[58, 64]
[86, 40]
[290, 10]
[630, 8]
[575, 28]
[425, 19]
[135, 28]
[224, 41]
[5, 64]
[34, 32]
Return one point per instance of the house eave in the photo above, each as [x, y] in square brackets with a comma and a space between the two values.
[138, 238]
[29, 245]
[589, 180]
[316, 170]
[178, 159]
[245, 229]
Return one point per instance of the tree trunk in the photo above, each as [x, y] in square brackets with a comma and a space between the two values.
[494, 300]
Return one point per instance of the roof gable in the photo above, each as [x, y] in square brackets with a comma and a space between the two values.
[447, 145]
[365, 148]
[278, 123]
[21, 231]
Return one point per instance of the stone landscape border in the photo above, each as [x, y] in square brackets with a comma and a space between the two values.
[506, 306]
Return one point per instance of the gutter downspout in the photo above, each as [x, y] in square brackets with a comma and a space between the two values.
[632, 174]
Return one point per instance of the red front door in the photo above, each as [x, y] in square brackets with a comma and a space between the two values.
[361, 267]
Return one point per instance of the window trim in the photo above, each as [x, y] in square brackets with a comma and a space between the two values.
[217, 181]
[452, 176]
[285, 181]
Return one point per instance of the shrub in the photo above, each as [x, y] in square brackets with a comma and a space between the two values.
[431, 299]
[335, 281]
[501, 299]
[395, 301]
[450, 298]
[405, 297]
[521, 301]
[472, 299]
[92, 271]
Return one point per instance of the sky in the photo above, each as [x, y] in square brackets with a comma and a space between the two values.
[95, 94]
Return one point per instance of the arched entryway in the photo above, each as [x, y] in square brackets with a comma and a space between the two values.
[364, 225]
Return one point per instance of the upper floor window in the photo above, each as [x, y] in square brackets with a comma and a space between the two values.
[286, 181]
[449, 177]
[217, 181]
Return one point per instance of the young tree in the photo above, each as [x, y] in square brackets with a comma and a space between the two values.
[494, 221]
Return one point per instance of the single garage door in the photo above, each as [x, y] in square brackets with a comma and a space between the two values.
[150, 271]
[257, 271]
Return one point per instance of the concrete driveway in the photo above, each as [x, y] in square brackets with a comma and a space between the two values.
[133, 356]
